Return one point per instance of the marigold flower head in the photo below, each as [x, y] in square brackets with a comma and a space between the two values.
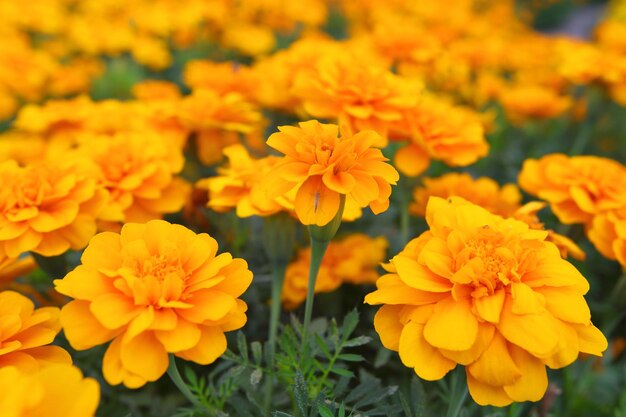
[27, 333]
[359, 96]
[55, 391]
[240, 185]
[607, 232]
[352, 260]
[577, 187]
[221, 77]
[322, 167]
[482, 191]
[525, 102]
[152, 289]
[48, 207]
[487, 293]
[439, 130]
[139, 172]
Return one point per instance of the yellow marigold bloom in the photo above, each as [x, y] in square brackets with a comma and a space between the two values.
[222, 77]
[525, 102]
[487, 293]
[151, 52]
[152, 289]
[485, 192]
[248, 39]
[577, 187]
[482, 191]
[54, 391]
[359, 96]
[27, 333]
[608, 234]
[439, 130]
[239, 185]
[48, 207]
[322, 166]
[353, 260]
[139, 171]
[156, 90]
[219, 121]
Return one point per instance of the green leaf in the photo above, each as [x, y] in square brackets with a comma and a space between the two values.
[281, 414]
[324, 411]
[322, 345]
[341, 371]
[357, 341]
[256, 376]
[257, 352]
[242, 345]
[300, 392]
[350, 357]
[349, 324]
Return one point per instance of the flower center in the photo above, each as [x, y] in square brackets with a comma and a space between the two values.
[160, 280]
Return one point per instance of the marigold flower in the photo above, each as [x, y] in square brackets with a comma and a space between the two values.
[533, 102]
[359, 96]
[353, 260]
[27, 333]
[48, 207]
[482, 191]
[578, 187]
[439, 130]
[139, 172]
[152, 289]
[488, 293]
[322, 166]
[240, 185]
[608, 234]
[221, 77]
[55, 391]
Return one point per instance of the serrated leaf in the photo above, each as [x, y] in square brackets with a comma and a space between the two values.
[322, 345]
[257, 352]
[350, 357]
[341, 371]
[324, 411]
[300, 393]
[256, 376]
[242, 345]
[349, 323]
[357, 341]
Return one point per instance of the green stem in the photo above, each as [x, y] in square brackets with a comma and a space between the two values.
[278, 278]
[458, 393]
[174, 375]
[318, 249]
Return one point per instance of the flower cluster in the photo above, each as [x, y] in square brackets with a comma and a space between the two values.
[487, 293]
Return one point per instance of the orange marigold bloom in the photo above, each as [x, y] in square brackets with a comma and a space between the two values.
[608, 234]
[239, 185]
[219, 121]
[152, 289]
[442, 131]
[139, 171]
[27, 333]
[485, 192]
[359, 96]
[55, 391]
[322, 167]
[577, 187]
[221, 77]
[482, 191]
[488, 293]
[48, 207]
[353, 260]
[533, 102]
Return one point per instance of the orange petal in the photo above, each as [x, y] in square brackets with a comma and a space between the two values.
[452, 325]
[417, 353]
[315, 203]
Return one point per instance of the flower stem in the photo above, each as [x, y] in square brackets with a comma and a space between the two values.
[278, 277]
[174, 375]
[318, 249]
[458, 393]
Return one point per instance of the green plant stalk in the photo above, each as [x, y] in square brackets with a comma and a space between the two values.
[458, 393]
[278, 277]
[318, 249]
[174, 375]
